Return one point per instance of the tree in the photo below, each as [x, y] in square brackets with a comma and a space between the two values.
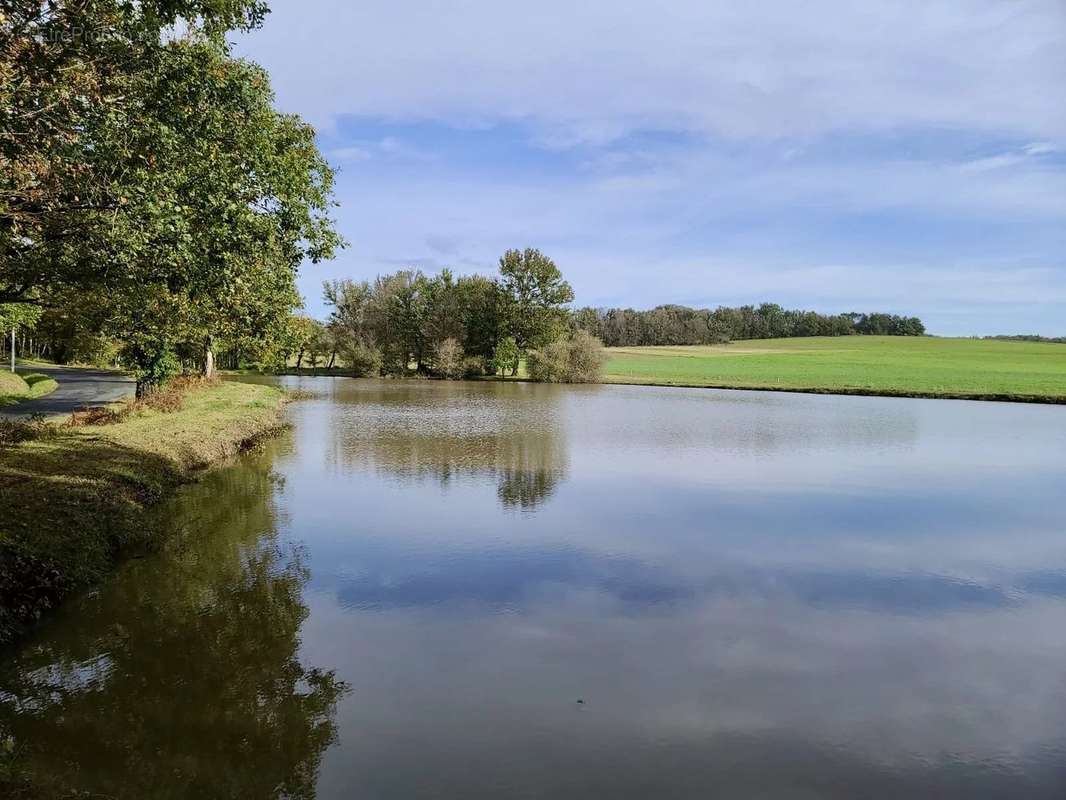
[234, 200]
[506, 356]
[152, 177]
[448, 360]
[301, 331]
[351, 310]
[364, 360]
[534, 296]
[444, 308]
[68, 74]
[480, 300]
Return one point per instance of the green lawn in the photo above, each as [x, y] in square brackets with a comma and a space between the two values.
[913, 366]
[14, 388]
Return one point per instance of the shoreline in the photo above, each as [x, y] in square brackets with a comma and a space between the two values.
[986, 397]
[74, 500]
[846, 391]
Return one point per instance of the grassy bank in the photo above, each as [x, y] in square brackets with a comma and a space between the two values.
[880, 365]
[14, 387]
[73, 498]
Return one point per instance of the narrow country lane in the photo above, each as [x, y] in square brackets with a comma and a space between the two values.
[77, 388]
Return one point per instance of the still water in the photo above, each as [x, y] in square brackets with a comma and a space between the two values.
[433, 590]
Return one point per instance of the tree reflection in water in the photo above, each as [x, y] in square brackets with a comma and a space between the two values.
[181, 677]
[450, 431]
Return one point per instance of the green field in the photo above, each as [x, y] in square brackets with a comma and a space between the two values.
[907, 366]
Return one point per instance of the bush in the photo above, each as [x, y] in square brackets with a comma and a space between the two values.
[549, 364]
[576, 359]
[14, 432]
[448, 361]
[475, 367]
[586, 359]
[153, 364]
[364, 360]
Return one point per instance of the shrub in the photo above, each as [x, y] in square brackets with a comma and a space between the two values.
[586, 359]
[575, 359]
[153, 364]
[549, 364]
[15, 431]
[364, 360]
[475, 367]
[448, 361]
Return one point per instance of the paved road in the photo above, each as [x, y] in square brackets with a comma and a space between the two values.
[77, 388]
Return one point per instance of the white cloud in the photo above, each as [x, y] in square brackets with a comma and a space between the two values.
[594, 70]
[725, 148]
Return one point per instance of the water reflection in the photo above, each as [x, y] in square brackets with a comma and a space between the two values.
[181, 678]
[752, 595]
[456, 431]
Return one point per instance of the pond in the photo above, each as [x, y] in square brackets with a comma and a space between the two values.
[502, 590]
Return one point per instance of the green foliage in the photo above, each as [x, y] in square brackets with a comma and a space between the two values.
[680, 325]
[533, 296]
[586, 358]
[364, 360]
[578, 358]
[77, 72]
[506, 356]
[549, 364]
[18, 315]
[154, 363]
[162, 197]
[481, 301]
[475, 367]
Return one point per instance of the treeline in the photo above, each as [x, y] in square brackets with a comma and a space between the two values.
[409, 323]
[681, 325]
[1030, 337]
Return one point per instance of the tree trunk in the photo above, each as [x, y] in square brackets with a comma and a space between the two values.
[209, 357]
[332, 358]
[299, 359]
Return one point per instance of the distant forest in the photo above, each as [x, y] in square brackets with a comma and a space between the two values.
[1030, 337]
[681, 325]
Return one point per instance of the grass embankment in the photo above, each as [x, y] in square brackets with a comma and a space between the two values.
[15, 388]
[72, 498]
[877, 365]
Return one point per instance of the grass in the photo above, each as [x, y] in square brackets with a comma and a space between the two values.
[880, 365]
[73, 498]
[12, 388]
[40, 385]
[15, 388]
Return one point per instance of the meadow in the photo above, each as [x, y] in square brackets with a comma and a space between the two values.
[886, 365]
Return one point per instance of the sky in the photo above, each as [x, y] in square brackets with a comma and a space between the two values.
[893, 155]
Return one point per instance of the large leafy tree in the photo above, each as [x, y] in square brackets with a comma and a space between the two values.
[234, 199]
[66, 69]
[148, 178]
[534, 297]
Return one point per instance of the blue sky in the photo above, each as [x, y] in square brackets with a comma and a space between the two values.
[891, 155]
